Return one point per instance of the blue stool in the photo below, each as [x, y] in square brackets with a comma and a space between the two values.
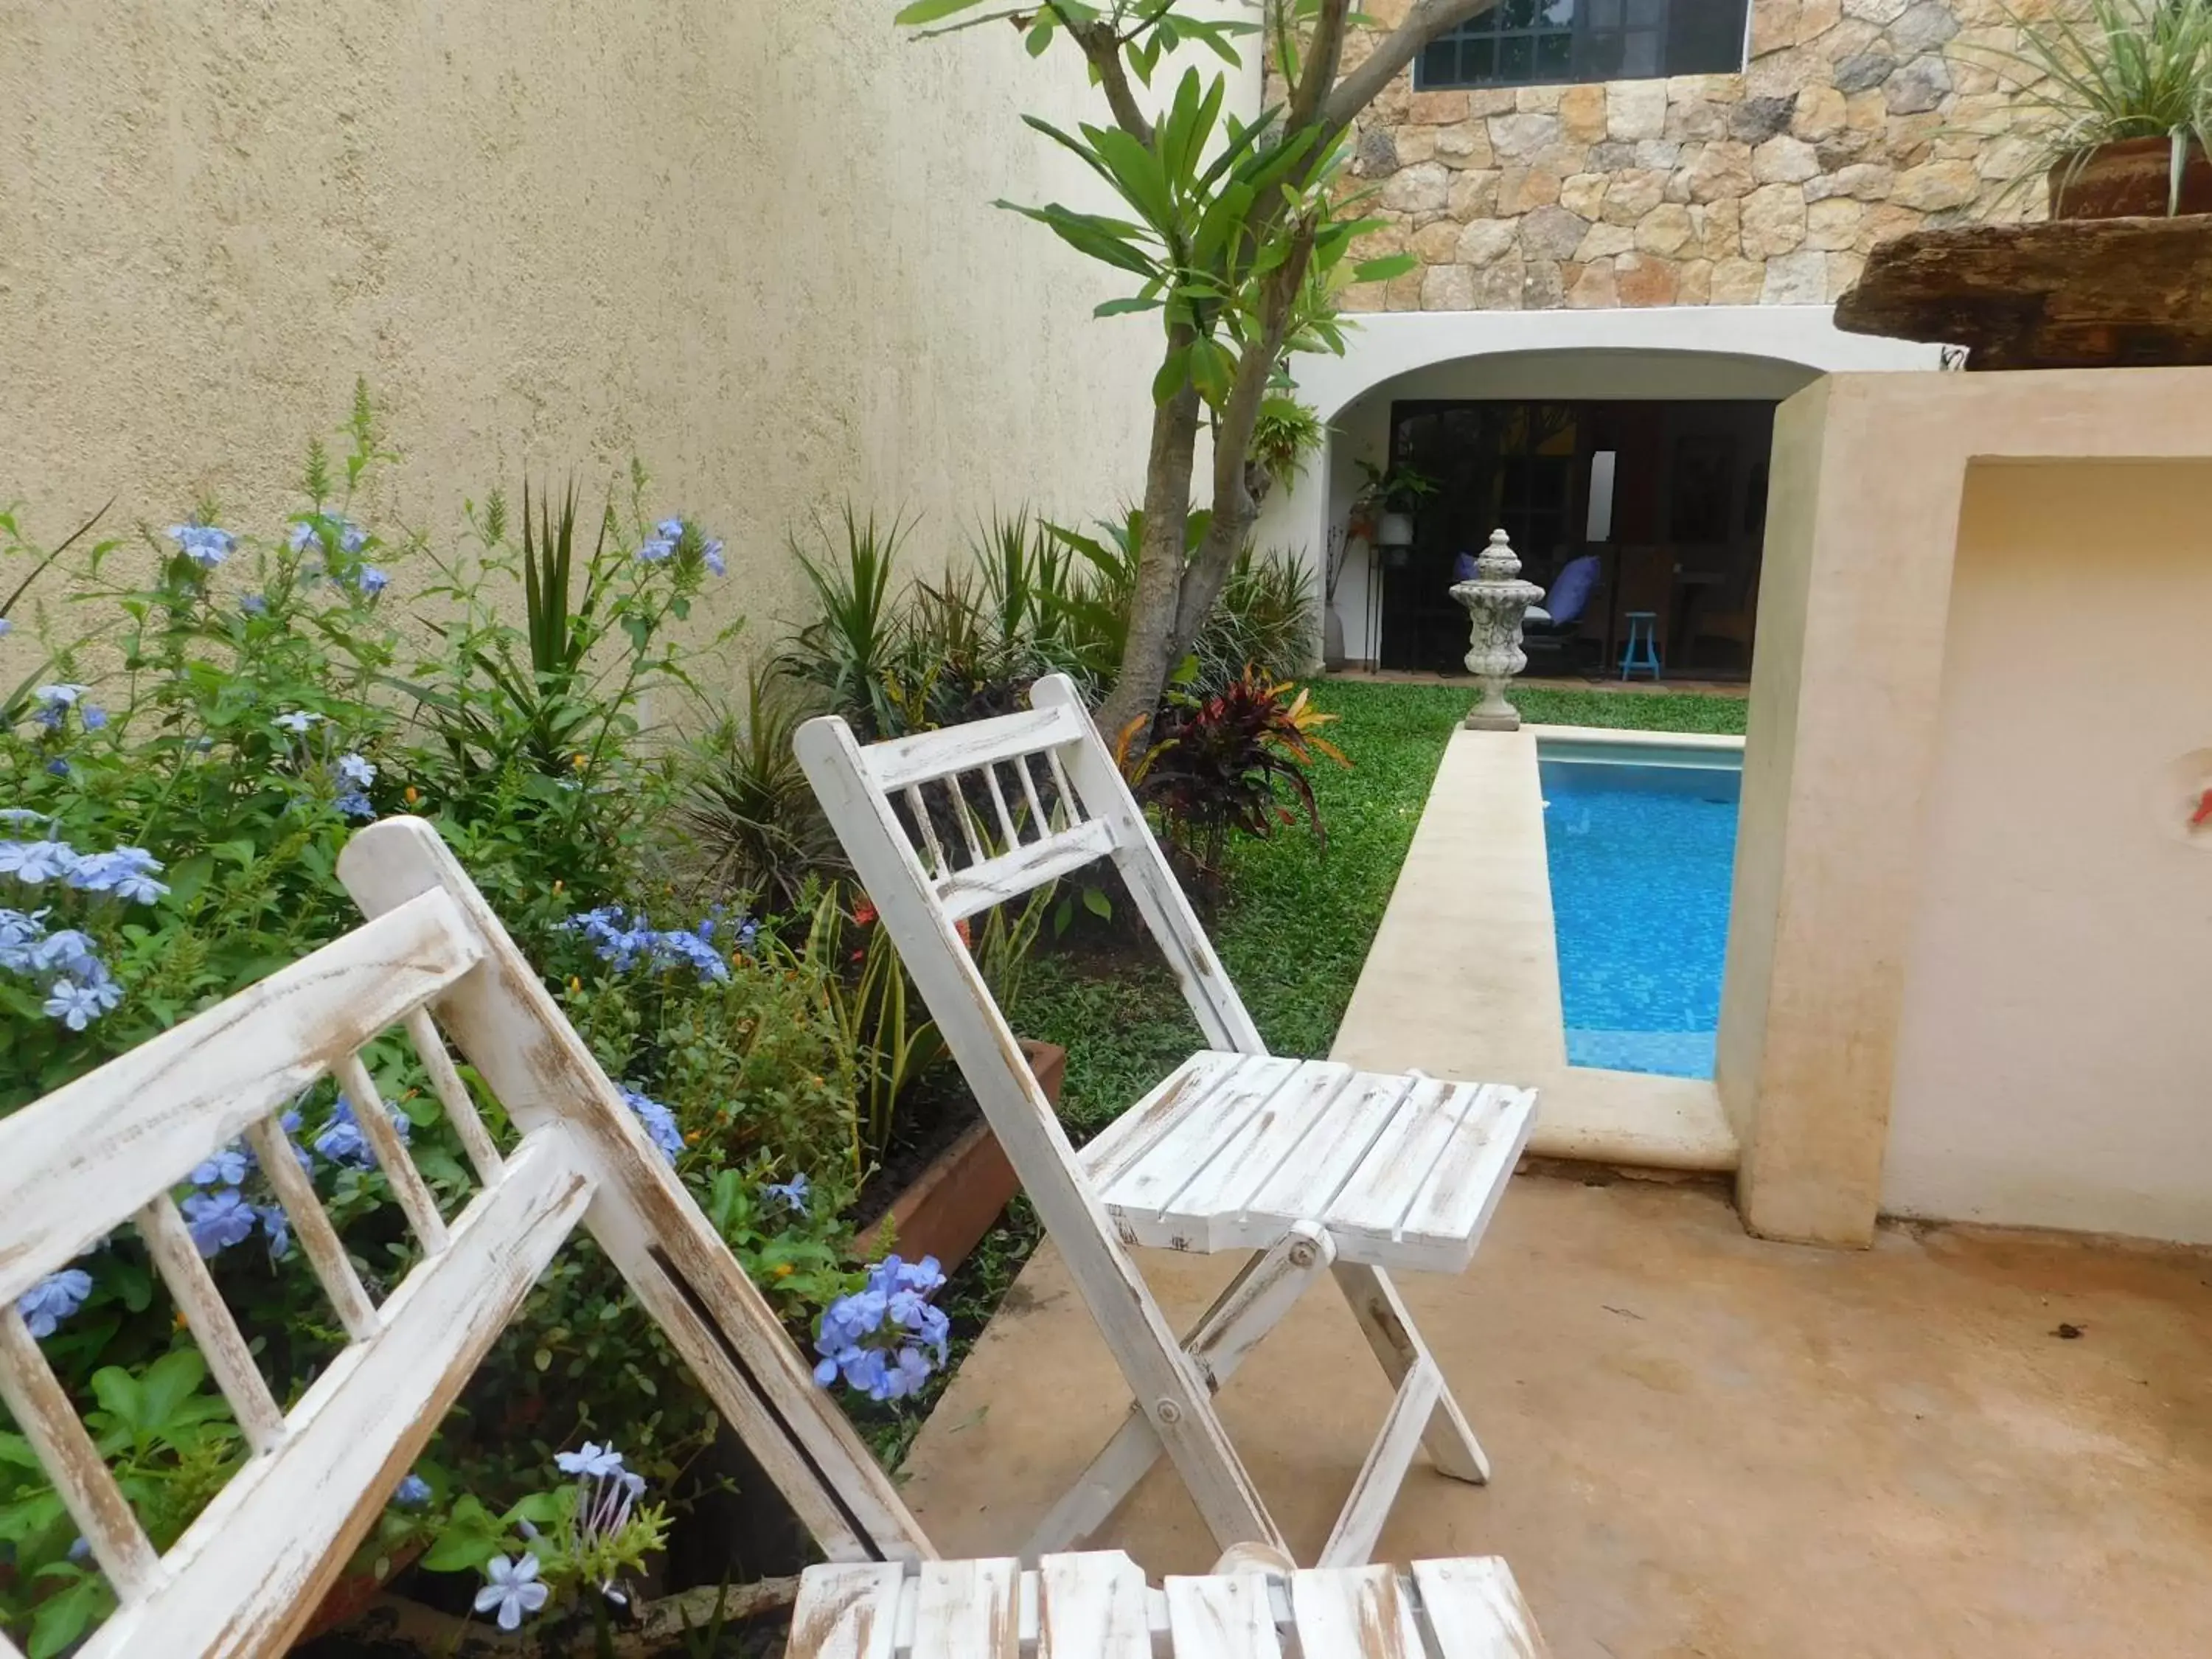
[1634, 660]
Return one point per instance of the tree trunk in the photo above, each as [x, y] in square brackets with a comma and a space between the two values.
[1149, 650]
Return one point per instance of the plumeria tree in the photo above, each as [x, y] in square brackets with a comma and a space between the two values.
[1235, 232]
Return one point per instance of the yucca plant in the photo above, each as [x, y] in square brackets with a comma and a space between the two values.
[1265, 620]
[2121, 69]
[850, 651]
[749, 811]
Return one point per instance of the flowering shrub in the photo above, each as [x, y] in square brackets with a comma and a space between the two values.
[175, 800]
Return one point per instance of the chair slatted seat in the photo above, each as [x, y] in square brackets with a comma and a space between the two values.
[1097, 1605]
[1315, 1166]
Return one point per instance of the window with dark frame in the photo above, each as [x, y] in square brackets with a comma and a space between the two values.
[1524, 43]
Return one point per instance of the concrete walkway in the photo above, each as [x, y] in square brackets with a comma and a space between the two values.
[1705, 1444]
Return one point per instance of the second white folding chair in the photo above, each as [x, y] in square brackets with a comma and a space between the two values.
[1316, 1167]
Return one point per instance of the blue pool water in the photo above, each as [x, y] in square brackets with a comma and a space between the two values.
[1641, 841]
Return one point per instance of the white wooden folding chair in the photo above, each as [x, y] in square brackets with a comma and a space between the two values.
[1316, 1167]
[106, 1150]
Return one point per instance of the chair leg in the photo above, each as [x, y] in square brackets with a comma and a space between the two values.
[1261, 1294]
[1397, 1343]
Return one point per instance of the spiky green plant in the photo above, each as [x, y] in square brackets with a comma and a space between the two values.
[2120, 70]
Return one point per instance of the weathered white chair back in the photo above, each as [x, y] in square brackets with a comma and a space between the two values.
[1057, 804]
[107, 1150]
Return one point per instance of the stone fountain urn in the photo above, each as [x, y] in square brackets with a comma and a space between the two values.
[1496, 601]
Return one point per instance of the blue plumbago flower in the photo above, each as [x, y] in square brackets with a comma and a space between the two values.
[626, 943]
[593, 1461]
[412, 1493]
[710, 553]
[76, 1005]
[227, 1168]
[6, 628]
[511, 1588]
[330, 529]
[794, 1193]
[32, 862]
[606, 1493]
[881, 1338]
[81, 1549]
[127, 872]
[342, 1142]
[70, 952]
[355, 804]
[371, 580]
[57, 768]
[218, 1220]
[22, 815]
[659, 1122]
[355, 770]
[660, 546]
[203, 543]
[297, 722]
[254, 604]
[94, 718]
[53, 1299]
[289, 1123]
[55, 703]
[278, 1226]
[18, 933]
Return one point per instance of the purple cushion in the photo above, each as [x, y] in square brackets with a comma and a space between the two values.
[1571, 588]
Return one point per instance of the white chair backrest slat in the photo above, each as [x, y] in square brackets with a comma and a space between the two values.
[79, 1164]
[107, 1150]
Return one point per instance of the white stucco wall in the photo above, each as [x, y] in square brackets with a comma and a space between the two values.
[2053, 1054]
[1669, 352]
[754, 244]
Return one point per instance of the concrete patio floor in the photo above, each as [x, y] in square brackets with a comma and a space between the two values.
[1703, 1444]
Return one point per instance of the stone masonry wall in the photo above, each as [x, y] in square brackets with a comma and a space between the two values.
[1855, 120]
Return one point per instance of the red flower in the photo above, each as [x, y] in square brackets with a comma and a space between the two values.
[967, 936]
[2204, 813]
[864, 913]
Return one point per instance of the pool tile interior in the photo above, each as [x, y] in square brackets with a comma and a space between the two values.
[1640, 855]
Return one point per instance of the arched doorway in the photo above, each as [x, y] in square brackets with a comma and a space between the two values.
[1634, 440]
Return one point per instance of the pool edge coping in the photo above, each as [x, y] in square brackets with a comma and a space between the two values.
[1634, 737]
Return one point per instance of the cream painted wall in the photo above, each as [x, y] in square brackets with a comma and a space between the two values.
[752, 244]
[1965, 839]
[2053, 1052]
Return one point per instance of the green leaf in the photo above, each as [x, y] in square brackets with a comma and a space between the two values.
[1383, 270]
[1173, 372]
[1122, 308]
[62, 1618]
[928, 11]
[168, 1383]
[1040, 37]
[1097, 904]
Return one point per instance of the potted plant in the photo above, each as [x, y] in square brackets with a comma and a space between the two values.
[1387, 502]
[2126, 89]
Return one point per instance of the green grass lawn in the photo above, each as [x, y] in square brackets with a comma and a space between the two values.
[1294, 931]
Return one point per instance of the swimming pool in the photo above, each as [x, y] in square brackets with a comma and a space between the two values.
[1640, 841]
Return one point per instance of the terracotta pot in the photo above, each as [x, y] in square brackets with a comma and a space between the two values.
[2129, 180]
[949, 1208]
[352, 1594]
